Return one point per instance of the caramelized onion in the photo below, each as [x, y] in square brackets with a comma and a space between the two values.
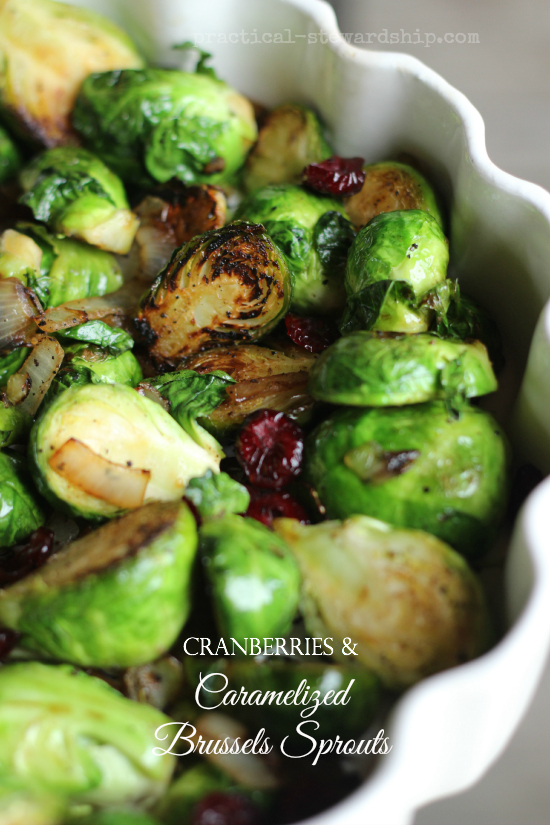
[27, 387]
[111, 308]
[19, 309]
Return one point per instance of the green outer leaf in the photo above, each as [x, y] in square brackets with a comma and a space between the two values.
[20, 512]
[10, 158]
[11, 362]
[115, 340]
[215, 494]
[203, 58]
[385, 306]
[120, 369]
[14, 425]
[332, 237]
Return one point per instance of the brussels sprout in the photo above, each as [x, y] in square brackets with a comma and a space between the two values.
[115, 598]
[228, 285]
[92, 365]
[290, 138]
[390, 187]
[280, 676]
[99, 449]
[46, 51]
[177, 805]
[158, 124]
[21, 804]
[315, 237]
[214, 495]
[11, 361]
[265, 379]
[77, 195]
[10, 159]
[415, 466]
[380, 369]
[75, 735]
[20, 512]
[254, 580]
[392, 265]
[14, 425]
[114, 818]
[411, 604]
[115, 340]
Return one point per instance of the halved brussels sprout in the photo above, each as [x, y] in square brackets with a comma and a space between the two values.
[253, 578]
[77, 195]
[116, 597]
[72, 734]
[20, 512]
[24, 804]
[99, 449]
[416, 466]
[290, 138]
[315, 237]
[10, 159]
[216, 494]
[46, 51]
[158, 124]
[228, 285]
[390, 187]
[410, 604]
[265, 379]
[392, 265]
[379, 369]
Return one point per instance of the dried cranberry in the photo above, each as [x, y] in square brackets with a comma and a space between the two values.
[23, 559]
[312, 334]
[335, 176]
[218, 808]
[268, 505]
[270, 447]
[8, 640]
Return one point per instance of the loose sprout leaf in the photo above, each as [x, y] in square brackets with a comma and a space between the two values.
[186, 145]
[116, 341]
[332, 237]
[292, 239]
[52, 191]
[202, 57]
[215, 494]
[365, 307]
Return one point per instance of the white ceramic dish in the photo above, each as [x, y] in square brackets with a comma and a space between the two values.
[447, 730]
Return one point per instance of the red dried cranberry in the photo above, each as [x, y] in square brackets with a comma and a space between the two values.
[23, 559]
[335, 176]
[8, 640]
[270, 448]
[312, 334]
[219, 808]
[265, 506]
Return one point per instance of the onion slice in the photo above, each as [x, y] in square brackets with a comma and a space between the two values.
[27, 387]
[97, 476]
[115, 306]
[19, 310]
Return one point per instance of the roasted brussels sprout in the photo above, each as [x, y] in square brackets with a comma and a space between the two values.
[46, 51]
[315, 237]
[253, 578]
[77, 195]
[158, 124]
[410, 603]
[98, 333]
[392, 265]
[389, 187]
[289, 139]
[20, 512]
[265, 379]
[416, 466]
[183, 794]
[380, 369]
[24, 804]
[99, 449]
[10, 159]
[116, 597]
[72, 734]
[216, 494]
[228, 285]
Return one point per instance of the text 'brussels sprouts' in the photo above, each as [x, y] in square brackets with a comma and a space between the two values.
[158, 124]
[415, 466]
[376, 369]
[77, 195]
[410, 603]
[115, 598]
[252, 576]
[103, 448]
[46, 51]
[74, 735]
[314, 235]
[228, 285]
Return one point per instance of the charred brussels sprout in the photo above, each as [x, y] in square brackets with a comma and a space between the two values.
[376, 369]
[416, 466]
[99, 449]
[117, 597]
[158, 124]
[290, 138]
[77, 195]
[412, 605]
[20, 512]
[392, 265]
[46, 51]
[390, 187]
[265, 379]
[216, 494]
[228, 285]
[10, 159]
[315, 237]
[253, 578]
[73, 735]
